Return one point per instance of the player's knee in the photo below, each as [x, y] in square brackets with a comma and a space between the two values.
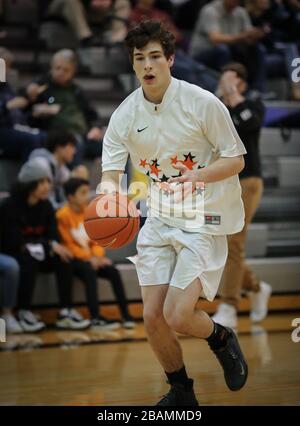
[176, 318]
[152, 317]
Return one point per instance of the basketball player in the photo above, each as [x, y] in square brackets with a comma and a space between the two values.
[182, 137]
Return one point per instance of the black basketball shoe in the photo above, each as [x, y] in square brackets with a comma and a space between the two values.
[179, 395]
[232, 361]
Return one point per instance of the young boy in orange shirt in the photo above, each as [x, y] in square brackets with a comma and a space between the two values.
[89, 261]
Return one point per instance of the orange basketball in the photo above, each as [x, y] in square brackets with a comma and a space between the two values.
[111, 220]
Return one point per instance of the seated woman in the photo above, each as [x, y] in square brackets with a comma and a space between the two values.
[29, 234]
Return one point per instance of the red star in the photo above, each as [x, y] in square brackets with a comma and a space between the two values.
[174, 160]
[143, 163]
[188, 162]
[154, 168]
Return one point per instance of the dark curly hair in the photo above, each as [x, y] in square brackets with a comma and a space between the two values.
[148, 31]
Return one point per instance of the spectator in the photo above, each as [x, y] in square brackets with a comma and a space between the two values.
[280, 52]
[17, 139]
[29, 234]
[223, 33]
[145, 10]
[58, 153]
[109, 17]
[89, 261]
[59, 103]
[247, 113]
[9, 282]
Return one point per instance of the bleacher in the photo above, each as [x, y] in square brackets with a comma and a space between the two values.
[273, 248]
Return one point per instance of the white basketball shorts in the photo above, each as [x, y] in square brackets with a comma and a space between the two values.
[169, 255]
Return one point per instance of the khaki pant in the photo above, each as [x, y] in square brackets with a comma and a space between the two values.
[74, 13]
[237, 275]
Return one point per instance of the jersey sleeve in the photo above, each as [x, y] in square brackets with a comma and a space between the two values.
[220, 131]
[115, 153]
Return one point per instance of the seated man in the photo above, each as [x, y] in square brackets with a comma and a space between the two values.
[224, 33]
[109, 17]
[57, 102]
[17, 139]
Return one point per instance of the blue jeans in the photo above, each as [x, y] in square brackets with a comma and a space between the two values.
[186, 68]
[252, 56]
[9, 281]
[19, 144]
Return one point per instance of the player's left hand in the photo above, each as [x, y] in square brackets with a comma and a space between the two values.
[189, 180]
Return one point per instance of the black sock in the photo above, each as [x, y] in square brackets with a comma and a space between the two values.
[218, 337]
[179, 376]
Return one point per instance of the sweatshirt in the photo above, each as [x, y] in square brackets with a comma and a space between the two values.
[21, 223]
[73, 235]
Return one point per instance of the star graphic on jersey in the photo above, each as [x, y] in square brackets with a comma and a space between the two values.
[143, 163]
[154, 168]
[174, 160]
[164, 178]
[188, 161]
[199, 190]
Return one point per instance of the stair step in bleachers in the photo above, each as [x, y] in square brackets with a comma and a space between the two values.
[289, 171]
[272, 143]
[57, 35]
[288, 247]
[282, 273]
[257, 240]
[284, 239]
[20, 12]
[279, 204]
[280, 87]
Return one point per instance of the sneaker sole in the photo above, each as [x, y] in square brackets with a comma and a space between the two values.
[27, 329]
[65, 326]
[243, 363]
[104, 327]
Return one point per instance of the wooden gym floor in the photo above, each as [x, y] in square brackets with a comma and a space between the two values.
[119, 368]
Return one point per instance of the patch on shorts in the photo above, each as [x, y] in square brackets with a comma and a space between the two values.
[212, 220]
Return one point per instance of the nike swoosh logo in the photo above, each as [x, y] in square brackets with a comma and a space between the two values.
[140, 130]
[242, 369]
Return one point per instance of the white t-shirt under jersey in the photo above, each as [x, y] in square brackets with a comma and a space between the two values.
[191, 127]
